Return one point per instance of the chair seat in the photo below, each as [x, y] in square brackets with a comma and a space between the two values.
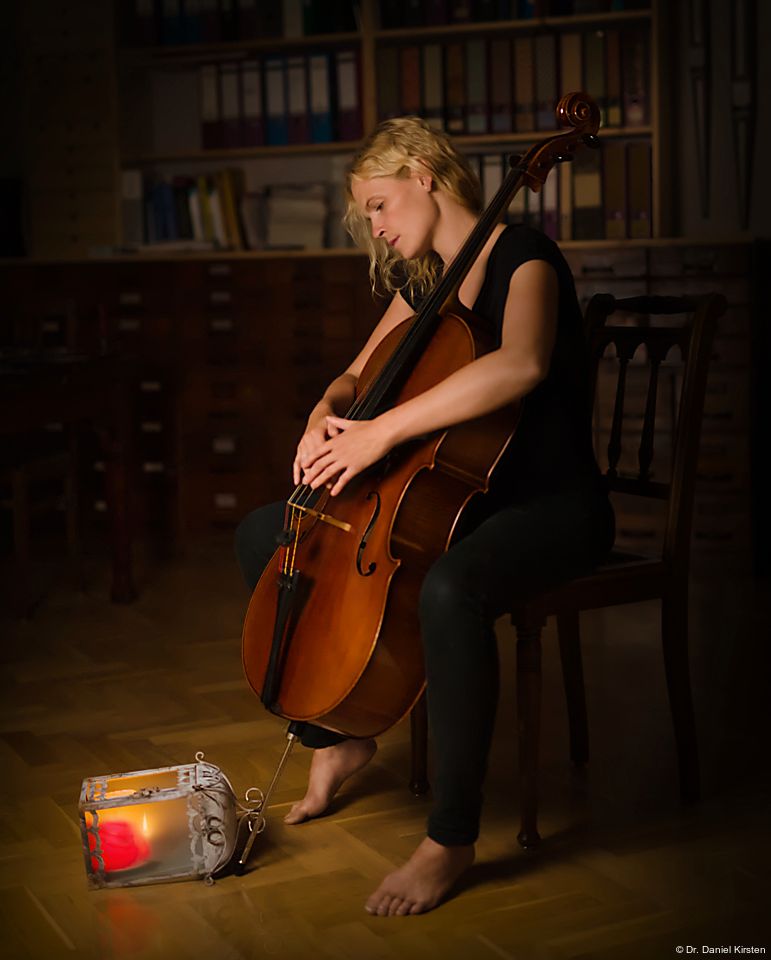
[623, 578]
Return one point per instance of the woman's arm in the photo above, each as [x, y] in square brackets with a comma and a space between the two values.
[492, 381]
[340, 393]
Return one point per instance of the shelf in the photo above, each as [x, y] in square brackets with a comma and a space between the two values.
[512, 26]
[351, 146]
[236, 49]
[243, 153]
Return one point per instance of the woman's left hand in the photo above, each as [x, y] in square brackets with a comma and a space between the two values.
[358, 445]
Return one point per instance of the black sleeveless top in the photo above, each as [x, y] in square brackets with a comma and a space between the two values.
[552, 447]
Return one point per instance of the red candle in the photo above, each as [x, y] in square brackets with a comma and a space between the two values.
[122, 846]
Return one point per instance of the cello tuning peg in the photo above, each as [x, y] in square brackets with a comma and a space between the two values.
[591, 140]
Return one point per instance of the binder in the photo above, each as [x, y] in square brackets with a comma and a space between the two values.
[277, 127]
[571, 74]
[320, 107]
[433, 90]
[409, 80]
[549, 206]
[436, 12]
[588, 214]
[131, 207]
[228, 199]
[613, 76]
[298, 123]
[476, 87]
[145, 24]
[455, 88]
[211, 128]
[614, 189]
[206, 214]
[501, 106]
[171, 23]
[249, 19]
[545, 81]
[639, 182]
[210, 21]
[228, 19]
[524, 84]
[196, 220]
[252, 132]
[565, 201]
[230, 93]
[459, 11]
[634, 74]
[292, 19]
[388, 82]
[492, 176]
[191, 21]
[348, 99]
[594, 70]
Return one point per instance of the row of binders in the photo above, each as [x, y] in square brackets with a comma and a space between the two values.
[396, 14]
[603, 194]
[278, 100]
[505, 84]
[178, 22]
[214, 211]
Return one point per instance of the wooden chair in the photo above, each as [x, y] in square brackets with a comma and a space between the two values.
[624, 578]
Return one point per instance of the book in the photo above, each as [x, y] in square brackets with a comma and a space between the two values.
[588, 214]
[477, 98]
[634, 74]
[501, 93]
[388, 82]
[320, 101]
[252, 131]
[614, 189]
[230, 104]
[348, 95]
[571, 60]
[639, 190]
[565, 201]
[277, 124]
[433, 88]
[455, 88]
[409, 80]
[550, 205]
[545, 81]
[132, 206]
[298, 116]
[594, 70]
[524, 84]
[211, 127]
[293, 18]
[492, 176]
[613, 76]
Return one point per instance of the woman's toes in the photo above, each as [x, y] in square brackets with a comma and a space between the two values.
[396, 903]
[405, 908]
[383, 906]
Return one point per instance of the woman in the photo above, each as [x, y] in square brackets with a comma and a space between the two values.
[412, 200]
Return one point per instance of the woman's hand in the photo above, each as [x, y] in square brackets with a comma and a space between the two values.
[316, 435]
[352, 446]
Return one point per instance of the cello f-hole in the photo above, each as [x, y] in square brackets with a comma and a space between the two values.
[363, 545]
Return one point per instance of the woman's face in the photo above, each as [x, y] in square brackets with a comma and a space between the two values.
[401, 211]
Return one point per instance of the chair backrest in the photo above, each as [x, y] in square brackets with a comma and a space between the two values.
[690, 326]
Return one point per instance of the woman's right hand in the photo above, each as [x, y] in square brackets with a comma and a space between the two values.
[317, 432]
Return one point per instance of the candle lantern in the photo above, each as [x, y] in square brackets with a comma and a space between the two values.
[171, 823]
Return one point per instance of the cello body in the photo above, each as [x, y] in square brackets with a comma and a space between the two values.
[352, 660]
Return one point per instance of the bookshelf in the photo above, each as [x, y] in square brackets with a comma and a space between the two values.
[370, 44]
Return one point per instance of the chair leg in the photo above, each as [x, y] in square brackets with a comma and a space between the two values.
[573, 679]
[528, 724]
[674, 636]
[419, 731]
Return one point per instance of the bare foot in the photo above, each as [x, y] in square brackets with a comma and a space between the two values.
[330, 768]
[423, 881]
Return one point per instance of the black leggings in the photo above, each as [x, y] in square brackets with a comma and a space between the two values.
[510, 554]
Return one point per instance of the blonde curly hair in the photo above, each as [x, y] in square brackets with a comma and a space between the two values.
[398, 148]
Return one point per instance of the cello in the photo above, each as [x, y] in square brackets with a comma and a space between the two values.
[331, 629]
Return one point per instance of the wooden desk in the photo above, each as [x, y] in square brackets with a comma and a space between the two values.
[94, 390]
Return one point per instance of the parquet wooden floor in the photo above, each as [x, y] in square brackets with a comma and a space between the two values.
[623, 872]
